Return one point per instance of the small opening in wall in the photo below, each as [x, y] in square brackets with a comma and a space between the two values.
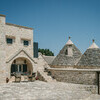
[70, 45]
[66, 52]
[26, 42]
[9, 40]
[14, 61]
[25, 61]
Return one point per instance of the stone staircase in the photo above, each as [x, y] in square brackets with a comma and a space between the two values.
[42, 64]
[46, 77]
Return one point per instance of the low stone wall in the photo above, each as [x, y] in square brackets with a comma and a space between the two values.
[78, 76]
[75, 66]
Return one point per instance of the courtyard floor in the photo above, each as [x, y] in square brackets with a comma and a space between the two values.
[39, 90]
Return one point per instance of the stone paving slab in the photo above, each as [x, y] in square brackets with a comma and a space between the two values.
[39, 90]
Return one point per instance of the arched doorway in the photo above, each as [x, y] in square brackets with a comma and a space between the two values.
[22, 66]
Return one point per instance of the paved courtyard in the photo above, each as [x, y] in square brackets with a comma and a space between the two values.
[39, 90]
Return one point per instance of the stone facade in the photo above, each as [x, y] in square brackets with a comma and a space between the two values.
[10, 52]
[2, 49]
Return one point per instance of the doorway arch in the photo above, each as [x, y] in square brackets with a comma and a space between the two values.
[21, 65]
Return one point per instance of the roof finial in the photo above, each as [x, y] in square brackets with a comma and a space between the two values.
[93, 45]
[93, 40]
[69, 37]
[69, 41]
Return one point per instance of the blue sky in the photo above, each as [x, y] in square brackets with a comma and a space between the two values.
[55, 20]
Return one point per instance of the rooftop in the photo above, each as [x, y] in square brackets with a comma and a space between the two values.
[48, 59]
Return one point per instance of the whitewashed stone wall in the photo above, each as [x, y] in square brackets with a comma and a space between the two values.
[2, 50]
[18, 33]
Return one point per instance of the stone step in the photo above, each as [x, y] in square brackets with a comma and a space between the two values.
[46, 77]
[41, 66]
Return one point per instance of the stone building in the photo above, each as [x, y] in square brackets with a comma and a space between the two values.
[72, 67]
[16, 49]
[68, 56]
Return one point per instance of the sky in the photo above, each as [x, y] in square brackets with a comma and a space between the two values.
[55, 20]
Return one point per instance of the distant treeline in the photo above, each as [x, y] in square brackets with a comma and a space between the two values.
[46, 52]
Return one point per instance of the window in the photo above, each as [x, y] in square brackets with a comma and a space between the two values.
[13, 68]
[9, 40]
[26, 42]
[66, 52]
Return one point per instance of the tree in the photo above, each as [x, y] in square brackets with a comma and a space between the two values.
[46, 52]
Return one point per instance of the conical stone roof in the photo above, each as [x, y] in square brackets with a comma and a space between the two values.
[68, 55]
[91, 57]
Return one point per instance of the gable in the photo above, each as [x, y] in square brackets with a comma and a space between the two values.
[20, 53]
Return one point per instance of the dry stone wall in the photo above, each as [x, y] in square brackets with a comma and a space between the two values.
[75, 76]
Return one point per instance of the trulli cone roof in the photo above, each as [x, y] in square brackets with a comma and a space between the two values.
[91, 57]
[63, 59]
